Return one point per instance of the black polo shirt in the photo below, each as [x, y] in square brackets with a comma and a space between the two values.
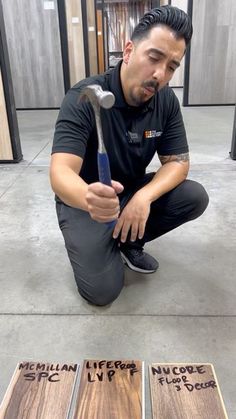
[132, 135]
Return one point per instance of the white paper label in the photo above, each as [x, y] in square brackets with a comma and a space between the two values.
[75, 19]
[91, 29]
[49, 5]
[99, 33]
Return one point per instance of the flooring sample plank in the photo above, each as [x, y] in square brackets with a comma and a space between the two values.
[39, 391]
[34, 46]
[92, 38]
[75, 40]
[212, 75]
[100, 42]
[5, 139]
[111, 390]
[185, 391]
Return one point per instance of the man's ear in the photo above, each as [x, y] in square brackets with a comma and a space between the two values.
[129, 46]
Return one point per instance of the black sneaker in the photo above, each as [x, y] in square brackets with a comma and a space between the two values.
[138, 260]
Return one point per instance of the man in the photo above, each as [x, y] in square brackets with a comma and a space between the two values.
[145, 119]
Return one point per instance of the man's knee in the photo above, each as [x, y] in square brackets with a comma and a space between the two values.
[101, 288]
[197, 197]
[101, 296]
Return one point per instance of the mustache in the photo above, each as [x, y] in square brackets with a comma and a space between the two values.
[151, 83]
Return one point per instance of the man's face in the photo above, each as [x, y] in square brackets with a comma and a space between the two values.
[149, 64]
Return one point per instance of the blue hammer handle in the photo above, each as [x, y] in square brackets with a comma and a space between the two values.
[104, 174]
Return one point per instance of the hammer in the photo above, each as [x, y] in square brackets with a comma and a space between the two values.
[105, 99]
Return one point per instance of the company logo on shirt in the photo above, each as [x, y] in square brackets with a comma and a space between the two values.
[152, 134]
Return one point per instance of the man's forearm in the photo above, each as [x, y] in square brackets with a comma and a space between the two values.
[166, 178]
[69, 187]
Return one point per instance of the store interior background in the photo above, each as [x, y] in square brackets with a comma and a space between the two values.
[186, 311]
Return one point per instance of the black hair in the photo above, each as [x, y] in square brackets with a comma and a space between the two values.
[170, 16]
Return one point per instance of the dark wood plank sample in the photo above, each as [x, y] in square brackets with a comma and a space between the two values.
[110, 390]
[185, 391]
[39, 391]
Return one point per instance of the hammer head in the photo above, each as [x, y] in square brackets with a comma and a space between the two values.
[97, 96]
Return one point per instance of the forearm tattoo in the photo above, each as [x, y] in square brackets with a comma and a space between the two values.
[179, 158]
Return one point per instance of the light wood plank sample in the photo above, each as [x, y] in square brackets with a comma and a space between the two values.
[178, 77]
[92, 37]
[110, 390]
[75, 40]
[5, 139]
[39, 390]
[101, 66]
[185, 391]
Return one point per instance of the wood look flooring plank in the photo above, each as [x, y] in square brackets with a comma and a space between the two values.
[39, 391]
[34, 47]
[185, 391]
[92, 37]
[212, 75]
[101, 64]
[178, 77]
[5, 139]
[75, 41]
[110, 390]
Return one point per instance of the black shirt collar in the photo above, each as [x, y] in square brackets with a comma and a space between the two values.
[116, 89]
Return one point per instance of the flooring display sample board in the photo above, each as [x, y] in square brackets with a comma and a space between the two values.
[210, 76]
[178, 77]
[5, 138]
[233, 144]
[111, 390]
[39, 390]
[10, 147]
[34, 45]
[75, 41]
[185, 391]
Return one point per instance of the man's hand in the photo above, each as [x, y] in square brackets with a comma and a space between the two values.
[133, 218]
[103, 203]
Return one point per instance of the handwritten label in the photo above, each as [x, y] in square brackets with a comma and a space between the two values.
[183, 377]
[106, 370]
[39, 371]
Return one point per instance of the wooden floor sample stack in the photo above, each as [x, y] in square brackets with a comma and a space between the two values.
[185, 391]
[39, 390]
[111, 390]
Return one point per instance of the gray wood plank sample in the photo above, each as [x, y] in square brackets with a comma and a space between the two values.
[213, 53]
[233, 144]
[33, 38]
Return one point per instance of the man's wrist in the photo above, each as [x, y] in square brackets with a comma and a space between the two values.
[145, 194]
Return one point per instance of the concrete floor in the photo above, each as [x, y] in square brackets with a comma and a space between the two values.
[185, 312]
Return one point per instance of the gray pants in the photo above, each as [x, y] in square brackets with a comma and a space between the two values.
[95, 255]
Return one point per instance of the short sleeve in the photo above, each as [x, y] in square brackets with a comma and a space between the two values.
[173, 140]
[74, 125]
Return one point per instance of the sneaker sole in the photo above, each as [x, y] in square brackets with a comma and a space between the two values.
[134, 268]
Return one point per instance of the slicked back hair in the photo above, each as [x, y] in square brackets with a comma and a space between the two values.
[172, 17]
